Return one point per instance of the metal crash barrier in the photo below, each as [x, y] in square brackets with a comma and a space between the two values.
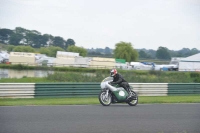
[34, 90]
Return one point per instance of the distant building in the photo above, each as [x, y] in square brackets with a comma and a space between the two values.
[191, 63]
[62, 54]
[98, 62]
[70, 59]
[122, 64]
[22, 58]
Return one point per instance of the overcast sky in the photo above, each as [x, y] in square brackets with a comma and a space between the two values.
[174, 24]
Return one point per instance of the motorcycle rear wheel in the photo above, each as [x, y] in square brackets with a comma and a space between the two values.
[133, 102]
[105, 101]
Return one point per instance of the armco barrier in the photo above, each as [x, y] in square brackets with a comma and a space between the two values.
[31, 90]
[183, 88]
[17, 90]
[150, 89]
[66, 89]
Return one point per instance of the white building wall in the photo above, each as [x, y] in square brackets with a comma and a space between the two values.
[98, 62]
[22, 58]
[61, 62]
[81, 61]
[61, 54]
[189, 66]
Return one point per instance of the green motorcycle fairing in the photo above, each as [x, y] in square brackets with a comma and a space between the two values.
[121, 94]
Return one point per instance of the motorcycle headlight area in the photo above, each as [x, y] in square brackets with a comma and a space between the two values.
[103, 85]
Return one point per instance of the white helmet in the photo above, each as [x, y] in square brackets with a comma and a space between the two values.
[113, 72]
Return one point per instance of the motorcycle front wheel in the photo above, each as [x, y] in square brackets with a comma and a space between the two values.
[134, 100]
[104, 99]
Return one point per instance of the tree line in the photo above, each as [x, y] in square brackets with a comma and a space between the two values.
[49, 51]
[161, 53]
[24, 40]
[33, 38]
[165, 53]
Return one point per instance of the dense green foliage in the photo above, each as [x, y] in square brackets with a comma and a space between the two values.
[70, 74]
[33, 38]
[23, 49]
[76, 49]
[50, 51]
[130, 76]
[163, 53]
[195, 77]
[144, 55]
[125, 51]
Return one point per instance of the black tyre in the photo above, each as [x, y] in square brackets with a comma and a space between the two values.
[134, 100]
[104, 100]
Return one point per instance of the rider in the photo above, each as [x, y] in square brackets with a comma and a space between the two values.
[118, 79]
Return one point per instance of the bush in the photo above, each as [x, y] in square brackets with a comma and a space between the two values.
[195, 76]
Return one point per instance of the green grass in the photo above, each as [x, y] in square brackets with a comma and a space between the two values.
[170, 99]
[47, 101]
[94, 100]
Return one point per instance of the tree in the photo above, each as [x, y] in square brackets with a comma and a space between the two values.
[36, 40]
[173, 53]
[151, 53]
[50, 51]
[143, 54]
[10, 48]
[93, 53]
[107, 50]
[59, 42]
[35, 32]
[124, 50]
[194, 51]
[69, 42]
[5, 35]
[49, 39]
[100, 50]
[24, 49]
[45, 50]
[184, 52]
[163, 53]
[80, 50]
[20, 30]
[33, 38]
[15, 39]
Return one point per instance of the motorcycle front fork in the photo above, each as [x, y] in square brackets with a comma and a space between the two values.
[107, 93]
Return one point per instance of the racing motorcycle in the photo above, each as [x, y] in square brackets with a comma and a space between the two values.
[113, 93]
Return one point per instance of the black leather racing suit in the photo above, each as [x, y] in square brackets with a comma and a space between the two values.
[118, 79]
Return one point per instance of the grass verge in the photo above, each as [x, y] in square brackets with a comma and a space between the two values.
[94, 100]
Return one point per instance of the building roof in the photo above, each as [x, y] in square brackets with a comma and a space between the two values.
[192, 58]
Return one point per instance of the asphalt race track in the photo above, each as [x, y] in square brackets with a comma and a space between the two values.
[117, 118]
